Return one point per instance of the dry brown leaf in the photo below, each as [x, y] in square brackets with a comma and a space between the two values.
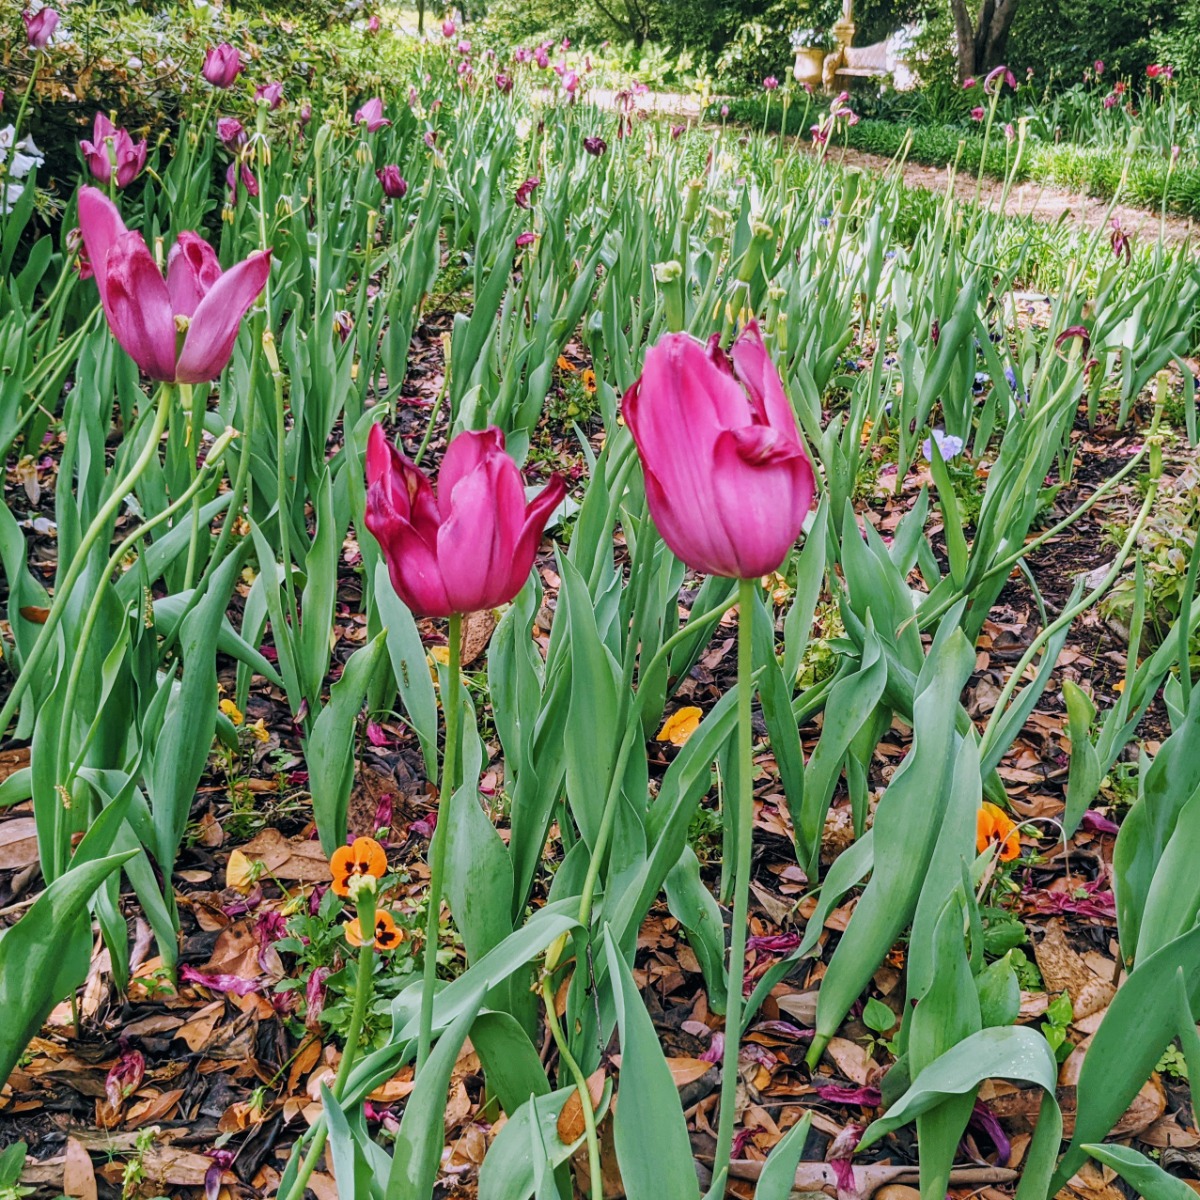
[197, 1031]
[158, 1107]
[570, 1120]
[79, 1176]
[295, 860]
[18, 843]
[1065, 971]
[852, 1060]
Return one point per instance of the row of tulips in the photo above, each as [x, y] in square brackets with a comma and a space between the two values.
[562, 226]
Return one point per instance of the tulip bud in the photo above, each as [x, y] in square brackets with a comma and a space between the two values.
[691, 203]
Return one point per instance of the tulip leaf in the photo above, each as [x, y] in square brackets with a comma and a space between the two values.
[1142, 1174]
[329, 748]
[421, 1136]
[779, 1171]
[649, 1129]
[46, 954]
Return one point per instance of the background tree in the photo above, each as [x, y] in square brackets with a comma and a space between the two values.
[982, 42]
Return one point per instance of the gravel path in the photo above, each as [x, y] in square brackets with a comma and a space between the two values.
[1041, 201]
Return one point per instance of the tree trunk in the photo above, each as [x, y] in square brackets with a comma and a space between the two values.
[420, 18]
[981, 43]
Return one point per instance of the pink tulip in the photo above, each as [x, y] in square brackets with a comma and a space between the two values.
[40, 27]
[770, 83]
[371, 115]
[222, 65]
[449, 29]
[270, 94]
[147, 314]
[977, 113]
[570, 83]
[373, 24]
[727, 480]
[504, 83]
[130, 155]
[242, 176]
[471, 545]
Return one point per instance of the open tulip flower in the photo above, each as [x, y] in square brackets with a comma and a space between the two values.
[371, 115]
[130, 156]
[471, 545]
[728, 481]
[148, 314]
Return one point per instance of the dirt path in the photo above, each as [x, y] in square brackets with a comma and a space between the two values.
[1041, 201]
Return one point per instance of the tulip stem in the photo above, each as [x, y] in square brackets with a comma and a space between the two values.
[99, 523]
[451, 709]
[581, 1085]
[741, 893]
[362, 992]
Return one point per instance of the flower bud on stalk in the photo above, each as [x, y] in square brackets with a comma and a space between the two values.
[691, 203]
[669, 276]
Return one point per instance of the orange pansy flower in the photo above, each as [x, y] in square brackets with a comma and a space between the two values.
[994, 827]
[364, 857]
[387, 935]
[588, 379]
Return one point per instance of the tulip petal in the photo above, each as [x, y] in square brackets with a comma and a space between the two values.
[478, 537]
[101, 225]
[761, 379]
[536, 515]
[465, 453]
[138, 306]
[762, 495]
[192, 272]
[215, 323]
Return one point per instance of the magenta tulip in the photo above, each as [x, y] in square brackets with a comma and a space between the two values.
[148, 314]
[40, 27]
[449, 29]
[239, 175]
[231, 132]
[270, 94]
[394, 185]
[471, 545]
[770, 83]
[130, 156]
[727, 480]
[222, 65]
[371, 115]
[373, 24]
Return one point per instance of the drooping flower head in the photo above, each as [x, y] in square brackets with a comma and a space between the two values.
[466, 547]
[727, 479]
[180, 329]
[270, 94]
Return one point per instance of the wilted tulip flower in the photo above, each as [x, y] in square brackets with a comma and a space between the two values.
[969, 82]
[40, 27]
[231, 132]
[525, 191]
[570, 83]
[178, 330]
[770, 83]
[1110, 100]
[464, 47]
[727, 480]
[526, 239]
[470, 545]
[977, 113]
[394, 185]
[541, 58]
[305, 113]
[595, 146]
[240, 174]
[677, 132]
[997, 77]
[270, 94]
[1099, 67]
[222, 65]
[130, 156]
[504, 83]
[371, 115]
